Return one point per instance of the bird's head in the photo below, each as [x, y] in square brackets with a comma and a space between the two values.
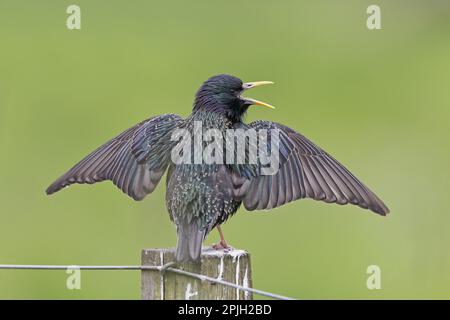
[223, 94]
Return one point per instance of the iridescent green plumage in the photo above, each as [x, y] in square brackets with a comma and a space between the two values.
[202, 196]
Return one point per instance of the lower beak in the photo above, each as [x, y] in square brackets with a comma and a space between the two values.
[255, 102]
[251, 101]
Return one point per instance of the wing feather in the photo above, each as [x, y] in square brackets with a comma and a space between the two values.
[128, 160]
[306, 171]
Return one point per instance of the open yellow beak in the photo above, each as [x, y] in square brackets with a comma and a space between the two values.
[249, 85]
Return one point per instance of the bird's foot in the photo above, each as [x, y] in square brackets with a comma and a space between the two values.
[222, 245]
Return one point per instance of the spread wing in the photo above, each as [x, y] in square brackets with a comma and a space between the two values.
[305, 171]
[134, 161]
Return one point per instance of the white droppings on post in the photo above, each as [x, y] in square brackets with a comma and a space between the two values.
[238, 269]
[235, 254]
[213, 252]
[161, 257]
[188, 294]
[230, 270]
[245, 283]
[221, 266]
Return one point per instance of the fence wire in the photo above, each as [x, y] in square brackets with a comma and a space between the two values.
[200, 277]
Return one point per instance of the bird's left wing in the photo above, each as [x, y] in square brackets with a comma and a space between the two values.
[304, 171]
[134, 161]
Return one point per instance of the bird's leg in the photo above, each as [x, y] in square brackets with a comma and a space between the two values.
[222, 244]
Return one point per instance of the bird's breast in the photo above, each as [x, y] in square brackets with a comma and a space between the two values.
[200, 193]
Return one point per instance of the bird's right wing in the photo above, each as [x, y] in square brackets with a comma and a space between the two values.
[134, 161]
[305, 171]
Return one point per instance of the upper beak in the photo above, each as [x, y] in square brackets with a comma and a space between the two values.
[251, 101]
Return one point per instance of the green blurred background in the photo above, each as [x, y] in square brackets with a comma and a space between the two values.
[377, 100]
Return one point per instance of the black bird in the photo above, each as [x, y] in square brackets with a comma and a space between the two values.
[202, 196]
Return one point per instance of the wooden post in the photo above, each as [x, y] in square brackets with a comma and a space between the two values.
[231, 266]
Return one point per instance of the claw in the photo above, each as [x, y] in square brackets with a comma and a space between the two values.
[222, 245]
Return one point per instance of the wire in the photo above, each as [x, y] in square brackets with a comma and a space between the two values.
[151, 268]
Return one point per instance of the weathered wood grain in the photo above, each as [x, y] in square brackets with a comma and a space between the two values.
[232, 266]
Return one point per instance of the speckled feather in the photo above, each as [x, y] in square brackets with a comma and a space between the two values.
[201, 196]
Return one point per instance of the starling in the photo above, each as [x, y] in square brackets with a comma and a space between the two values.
[201, 196]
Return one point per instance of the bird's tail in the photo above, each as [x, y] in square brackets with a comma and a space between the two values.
[189, 245]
